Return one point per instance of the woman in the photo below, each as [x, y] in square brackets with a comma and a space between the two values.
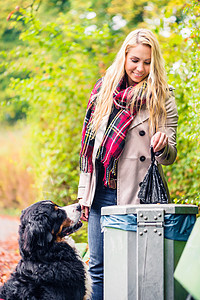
[130, 108]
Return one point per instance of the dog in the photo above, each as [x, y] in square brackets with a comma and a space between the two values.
[50, 268]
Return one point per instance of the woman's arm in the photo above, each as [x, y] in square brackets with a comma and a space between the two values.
[165, 138]
[83, 186]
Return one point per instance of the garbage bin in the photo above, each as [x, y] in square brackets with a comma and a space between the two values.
[188, 269]
[142, 246]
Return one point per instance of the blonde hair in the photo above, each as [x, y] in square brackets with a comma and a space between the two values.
[157, 87]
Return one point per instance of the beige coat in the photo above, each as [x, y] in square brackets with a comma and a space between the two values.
[136, 157]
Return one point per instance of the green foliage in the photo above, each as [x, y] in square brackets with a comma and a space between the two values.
[181, 54]
[12, 23]
[64, 60]
[60, 56]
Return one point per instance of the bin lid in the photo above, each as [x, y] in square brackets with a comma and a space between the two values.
[132, 209]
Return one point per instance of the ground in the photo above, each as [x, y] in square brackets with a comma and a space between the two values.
[9, 251]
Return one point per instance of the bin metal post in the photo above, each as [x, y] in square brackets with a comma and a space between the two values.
[150, 254]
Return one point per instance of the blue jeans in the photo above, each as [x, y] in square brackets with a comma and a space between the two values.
[104, 196]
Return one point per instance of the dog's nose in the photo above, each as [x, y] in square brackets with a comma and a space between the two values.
[78, 207]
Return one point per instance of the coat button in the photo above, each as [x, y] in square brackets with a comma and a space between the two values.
[141, 132]
[140, 184]
[142, 158]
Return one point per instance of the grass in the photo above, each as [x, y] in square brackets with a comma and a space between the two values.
[16, 177]
[12, 212]
[17, 180]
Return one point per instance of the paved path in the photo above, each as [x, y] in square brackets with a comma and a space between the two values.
[9, 227]
[9, 253]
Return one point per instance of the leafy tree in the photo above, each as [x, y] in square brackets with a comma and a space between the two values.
[64, 60]
[181, 55]
[61, 62]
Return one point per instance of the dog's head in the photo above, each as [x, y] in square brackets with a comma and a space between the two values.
[44, 223]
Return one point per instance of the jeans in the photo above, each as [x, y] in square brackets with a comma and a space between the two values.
[104, 196]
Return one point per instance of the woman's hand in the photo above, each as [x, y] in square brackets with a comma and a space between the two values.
[159, 140]
[85, 213]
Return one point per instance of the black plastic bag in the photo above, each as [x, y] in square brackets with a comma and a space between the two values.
[152, 189]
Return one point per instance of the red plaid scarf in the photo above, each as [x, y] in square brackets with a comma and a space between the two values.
[114, 137]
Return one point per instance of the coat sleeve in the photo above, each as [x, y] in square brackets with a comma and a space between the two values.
[168, 156]
[84, 182]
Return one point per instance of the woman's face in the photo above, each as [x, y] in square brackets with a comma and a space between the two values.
[137, 63]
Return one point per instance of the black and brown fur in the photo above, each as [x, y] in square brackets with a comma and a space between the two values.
[50, 268]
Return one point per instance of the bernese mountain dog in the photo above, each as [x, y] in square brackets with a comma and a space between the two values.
[50, 268]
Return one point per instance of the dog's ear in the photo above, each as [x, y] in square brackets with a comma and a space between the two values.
[35, 235]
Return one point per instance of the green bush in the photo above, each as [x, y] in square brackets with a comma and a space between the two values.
[184, 74]
[62, 59]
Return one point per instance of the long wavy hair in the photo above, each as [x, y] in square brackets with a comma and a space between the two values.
[157, 87]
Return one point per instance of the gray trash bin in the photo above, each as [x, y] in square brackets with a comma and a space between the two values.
[142, 246]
